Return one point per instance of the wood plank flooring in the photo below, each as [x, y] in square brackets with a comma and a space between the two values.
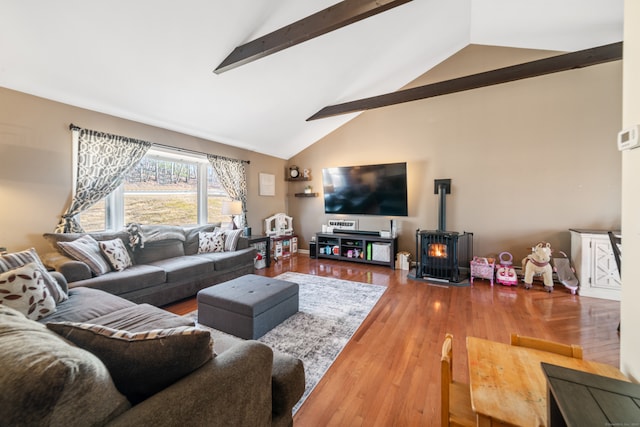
[388, 374]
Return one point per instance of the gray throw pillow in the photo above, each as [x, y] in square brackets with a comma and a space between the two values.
[142, 363]
[46, 381]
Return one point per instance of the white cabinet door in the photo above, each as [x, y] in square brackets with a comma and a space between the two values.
[595, 265]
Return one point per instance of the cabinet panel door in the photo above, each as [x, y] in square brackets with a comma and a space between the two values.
[605, 271]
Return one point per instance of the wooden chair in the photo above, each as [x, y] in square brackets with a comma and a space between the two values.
[570, 350]
[456, 407]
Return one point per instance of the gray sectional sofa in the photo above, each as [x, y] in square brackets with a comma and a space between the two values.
[46, 380]
[166, 269]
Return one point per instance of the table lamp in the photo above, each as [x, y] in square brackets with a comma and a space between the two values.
[232, 208]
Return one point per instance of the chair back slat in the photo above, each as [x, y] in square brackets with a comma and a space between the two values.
[569, 350]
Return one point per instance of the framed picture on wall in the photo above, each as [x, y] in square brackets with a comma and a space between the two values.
[267, 184]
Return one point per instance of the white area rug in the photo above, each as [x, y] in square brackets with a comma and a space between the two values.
[331, 310]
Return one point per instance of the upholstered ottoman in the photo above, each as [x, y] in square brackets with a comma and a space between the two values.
[249, 306]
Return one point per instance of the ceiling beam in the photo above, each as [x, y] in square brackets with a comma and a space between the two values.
[327, 20]
[554, 64]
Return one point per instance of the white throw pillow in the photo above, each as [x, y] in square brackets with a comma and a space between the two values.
[210, 242]
[116, 253]
[23, 289]
[86, 249]
[18, 259]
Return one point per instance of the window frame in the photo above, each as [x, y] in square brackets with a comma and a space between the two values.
[114, 202]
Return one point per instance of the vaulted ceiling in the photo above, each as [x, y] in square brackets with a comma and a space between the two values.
[152, 61]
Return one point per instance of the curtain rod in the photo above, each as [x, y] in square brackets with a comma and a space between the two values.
[184, 150]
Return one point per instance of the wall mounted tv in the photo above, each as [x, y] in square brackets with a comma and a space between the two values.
[366, 190]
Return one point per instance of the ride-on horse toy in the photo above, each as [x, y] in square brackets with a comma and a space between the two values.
[506, 274]
[538, 264]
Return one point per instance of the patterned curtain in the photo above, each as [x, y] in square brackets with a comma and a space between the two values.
[103, 161]
[232, 176]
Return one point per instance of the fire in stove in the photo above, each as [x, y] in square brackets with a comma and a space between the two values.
[437, 250]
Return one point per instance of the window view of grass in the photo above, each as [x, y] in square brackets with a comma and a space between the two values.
[162, 192]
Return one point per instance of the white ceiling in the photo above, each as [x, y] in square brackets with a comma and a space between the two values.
[152, 61]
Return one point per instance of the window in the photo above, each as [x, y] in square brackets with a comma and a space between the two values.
[166, 187]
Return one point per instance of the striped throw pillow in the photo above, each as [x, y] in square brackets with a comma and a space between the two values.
[86, 249]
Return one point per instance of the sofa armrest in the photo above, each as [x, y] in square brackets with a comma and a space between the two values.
[288, 384]
[71, 269]
[233, 389]
[62, 281]
[243, 243]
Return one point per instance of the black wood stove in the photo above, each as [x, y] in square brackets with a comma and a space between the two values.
[443, 255]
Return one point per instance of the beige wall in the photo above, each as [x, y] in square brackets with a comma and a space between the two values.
[528, 159]
[35, 165]
[629, 313]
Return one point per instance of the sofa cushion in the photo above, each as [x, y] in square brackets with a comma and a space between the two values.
[176, 269]
[228, 260]
[212, 241]
[46, 381]
[132, 279]
[116, 254]
[142, 317]
[159, 232]
[18, 259]
[87, 250]
[142, 363]
[154, 251]
[85, 304]
[23, 289]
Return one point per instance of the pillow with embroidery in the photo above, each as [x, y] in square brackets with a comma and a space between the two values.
[19, 259]
[23, 289]
[86, 249]
[210, 242]
[142, 363]
[116, 253]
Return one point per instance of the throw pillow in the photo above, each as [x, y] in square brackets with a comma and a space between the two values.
[19, 259]
[86, 249]
[48, 381]
[23, 288]
[116, 253]
[143, 363]
[210, 242]
[231, 238]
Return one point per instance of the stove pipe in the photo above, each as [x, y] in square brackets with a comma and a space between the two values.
[442, 187]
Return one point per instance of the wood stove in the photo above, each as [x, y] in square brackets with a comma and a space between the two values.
[443, 255]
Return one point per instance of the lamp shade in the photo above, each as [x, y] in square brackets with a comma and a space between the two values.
[233, 207]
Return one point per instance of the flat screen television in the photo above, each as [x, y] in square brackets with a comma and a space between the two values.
[366, 190]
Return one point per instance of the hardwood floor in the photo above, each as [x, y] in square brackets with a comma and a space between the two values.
[388, 374]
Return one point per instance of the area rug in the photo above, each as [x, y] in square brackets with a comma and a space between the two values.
[330, 312]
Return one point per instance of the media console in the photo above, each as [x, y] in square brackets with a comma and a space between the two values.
[357, 247]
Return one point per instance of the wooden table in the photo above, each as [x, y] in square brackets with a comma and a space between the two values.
[508, 386]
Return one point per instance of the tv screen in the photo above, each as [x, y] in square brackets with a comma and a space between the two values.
[366, 190]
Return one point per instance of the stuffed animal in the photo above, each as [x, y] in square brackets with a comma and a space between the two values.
[136, 238]
[538, 264]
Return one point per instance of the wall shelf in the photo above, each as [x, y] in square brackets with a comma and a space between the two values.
[306, 194]
[302, 178]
